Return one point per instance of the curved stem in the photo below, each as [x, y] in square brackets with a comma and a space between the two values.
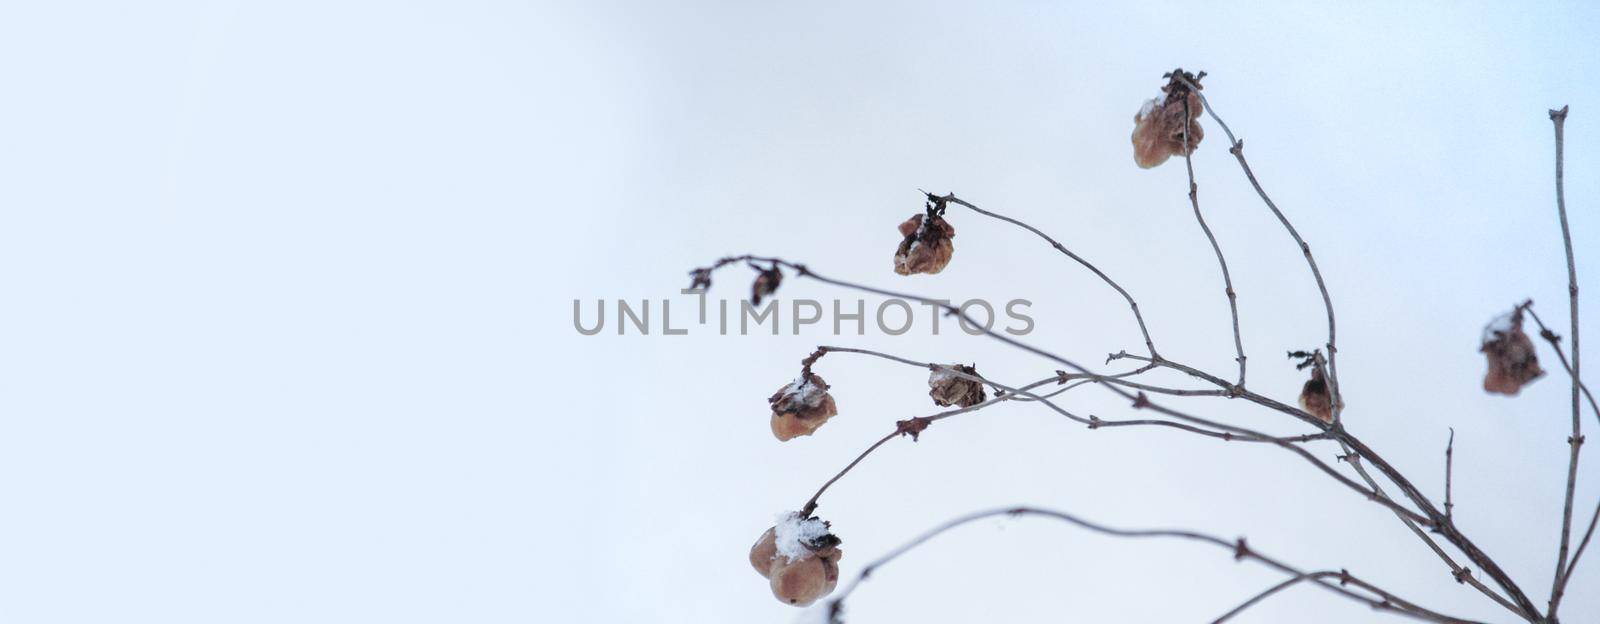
[1309, 576]
[1227, 278]
[1019, 394]
[1139, 400]
[1455, 537]
[1381, 600]
[1134, 305]
[1575, 442]
[811, 504]
[1430, 517]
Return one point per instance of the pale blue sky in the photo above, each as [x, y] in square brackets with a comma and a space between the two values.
[287, 333]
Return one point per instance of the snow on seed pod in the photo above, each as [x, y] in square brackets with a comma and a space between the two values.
[1513, 362]
[801, 406]
[949, 389]
[799, 557]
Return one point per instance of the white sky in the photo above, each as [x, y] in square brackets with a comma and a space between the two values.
[288, 335]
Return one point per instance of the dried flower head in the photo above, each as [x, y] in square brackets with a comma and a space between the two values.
[1314, 397]
[1158, 128]
[800, 559]
[801, 406]
[925, 245]
[949, 389]
[1513, 363]
[766, 283]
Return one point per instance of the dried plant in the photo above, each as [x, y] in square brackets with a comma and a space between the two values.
[799, 555]
[925, 245]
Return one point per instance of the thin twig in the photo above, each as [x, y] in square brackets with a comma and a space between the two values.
[1449, 458]
[1558, 118]
[1093, 421]
[1457, 571]
[1561, 356]
[1430, 517]
[1309, 576]
[1380, 599]
[811, 504]
[1236, 147]
[1194, 200]
[1141, 401]
[1021, 394]
[1134, 305]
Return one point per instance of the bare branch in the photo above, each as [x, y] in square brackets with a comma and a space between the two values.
[1430, 516]
[1309, 576]
[1561, 356]
[1558, 118]
[1236, 147]
[1019, 394]
[1379, 599]
[901, 428]
[1140, 400]
[1134, 305]
[1457, 571]
[1449, 458]
[1194, 200]
[1093, 421]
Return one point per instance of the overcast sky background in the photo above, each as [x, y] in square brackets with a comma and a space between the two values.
[287, 332]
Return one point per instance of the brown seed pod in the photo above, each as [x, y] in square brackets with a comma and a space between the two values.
[799, 557]
[800, 407]
[1513, 362]
[1158, 126]
[766, 283]
[1315, 399]
[802, 582]
[948, 389]
[925, 245]
[763, 552]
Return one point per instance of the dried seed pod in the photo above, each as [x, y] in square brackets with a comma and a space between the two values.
[1513, 362]
[1159, 125]
[925, 246]
[800, 407]
[766, 283]
[763, 552]
[1314, 397]
[948, 389]
[800, 559]
[802, 582]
